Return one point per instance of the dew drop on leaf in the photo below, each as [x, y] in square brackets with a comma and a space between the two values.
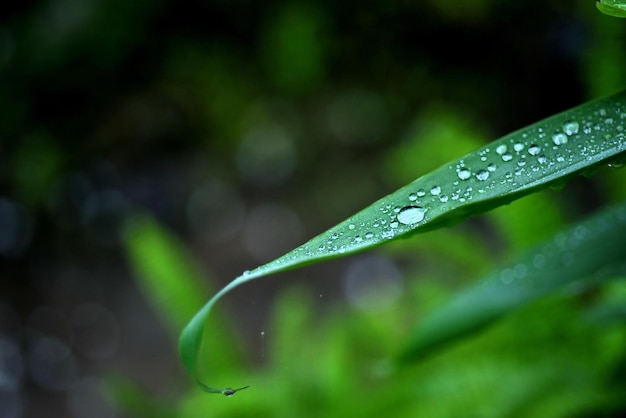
[570, 128]
[534, 149]
[464, 174]
[482, 175]
[507, 157]
[559, 138]
[413, 197]
[518, 147]
[410, 215]
[435, 190]
[501, 149]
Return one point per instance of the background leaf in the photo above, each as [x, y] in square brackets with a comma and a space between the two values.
[581, 256]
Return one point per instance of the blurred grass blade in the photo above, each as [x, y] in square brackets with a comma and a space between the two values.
[546, 153]
[588, 252]
[615, 8]
[166, 274]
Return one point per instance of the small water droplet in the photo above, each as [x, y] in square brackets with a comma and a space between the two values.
[435, 190]
[491, 167]
[413, 197]
[351, 226]
[334, 236]
[518, 147]
[507, 157]
[397, 209]
[482, 175]
[501, 149]
[411, 215]
[393, 224]
[570, 128]
[464, 174]
[245, 273]
[369, 235]
[321, 248]
[358, 238]
[559, 138]
[443, 199]
[542, 159]
[421, 193]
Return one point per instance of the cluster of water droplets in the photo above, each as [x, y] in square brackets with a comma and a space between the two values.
[513, 161]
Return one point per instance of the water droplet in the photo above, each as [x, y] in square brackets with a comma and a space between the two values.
[518, 147]
[464, 174]
[436, 190]
[507, 157]
[570, 128]
[358, 238]
[443, 199]
[413, 197]
[321, 248]
[369, 235]
[559, 138]
[482, 175]
[410, 215]
[542, 159]
[351, 226]
[534, 149]
[245, 273]
[421, 193]
[393, 224]
[501, 149]
[334, 236]
[491, 167]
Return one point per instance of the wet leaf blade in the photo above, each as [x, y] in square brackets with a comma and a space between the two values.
[585, 254]
[612, 8]
[552, 150]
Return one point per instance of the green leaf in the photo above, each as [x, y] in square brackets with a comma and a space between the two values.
[543, 154]
[164, 272]
[613, 8]
[583, 255]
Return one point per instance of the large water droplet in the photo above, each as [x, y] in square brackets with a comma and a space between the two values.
[559, 138]
[410, 215]
[501, 149]
[482, 175]
[436, 190]
[534, 149]
[464, 174]
[570, 128]
[507, 157]
[518, 147]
